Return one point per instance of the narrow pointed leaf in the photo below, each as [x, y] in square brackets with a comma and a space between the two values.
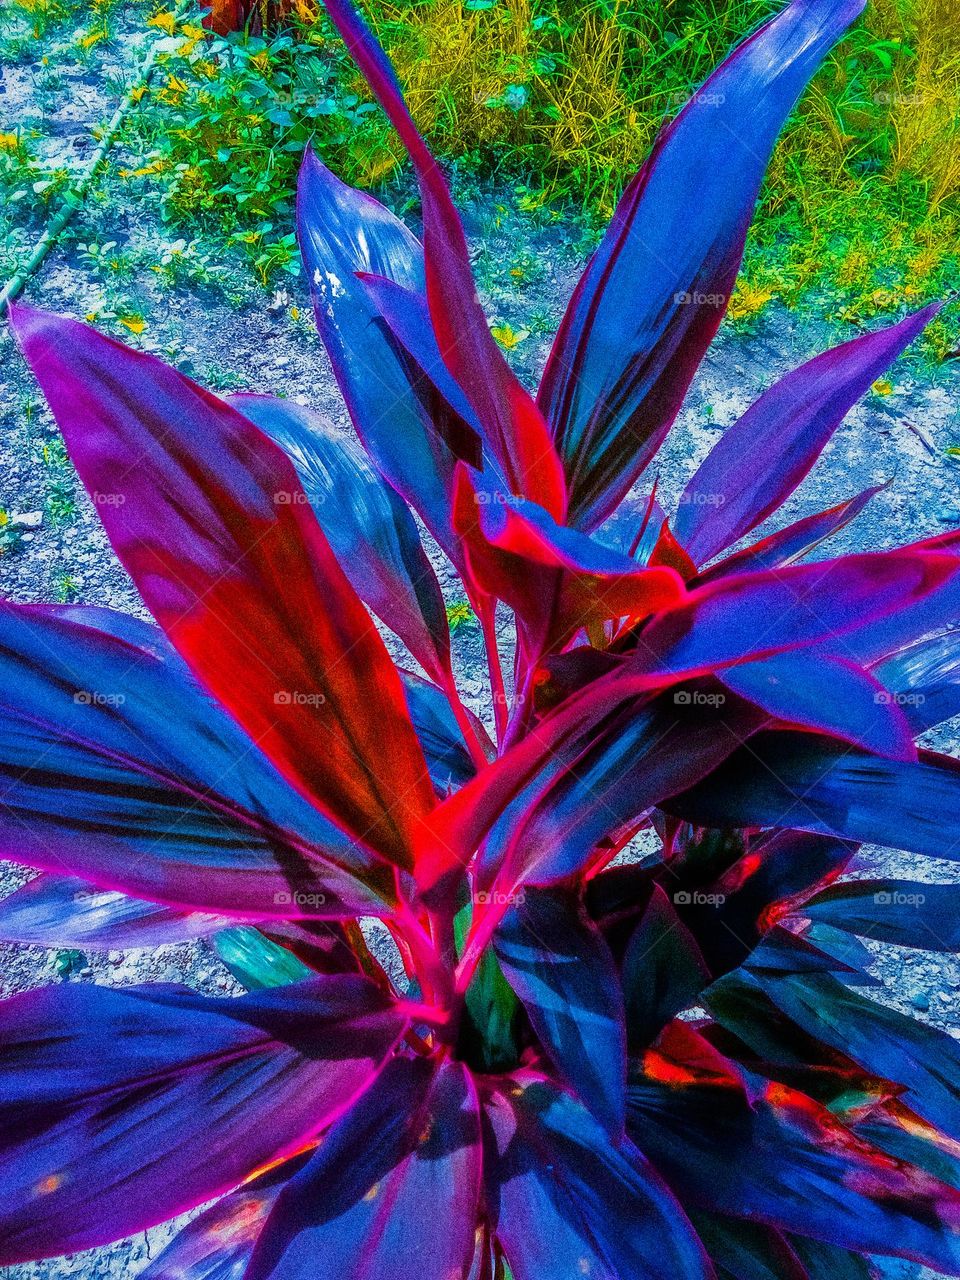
[565, 1200]
[370, 529]
[561, 968]
[663, 971]
[211, 522]
[793, 543]
[404, 1160]
[510, 420]
[655, 291]
[95, 1078]
[907, 913]
[759, 461]
[343, 231]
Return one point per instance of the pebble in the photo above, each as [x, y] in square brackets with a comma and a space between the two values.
[948, 514]
[27, 519]
[920, 1000]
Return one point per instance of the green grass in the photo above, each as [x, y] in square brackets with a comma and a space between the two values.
[859, 217]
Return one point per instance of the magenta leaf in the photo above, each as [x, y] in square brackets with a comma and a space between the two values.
[655, 291]
[561, 1194]
[371, 531]
[102, 1090]
[210, 520]
[759, 461]
[404, 1160]
[510, 420]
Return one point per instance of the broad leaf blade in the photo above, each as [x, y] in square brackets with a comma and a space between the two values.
[373, 535]
[759, 461]
[95, 1078]
[404, 1159]
[561, 968]
[655, 291]
[561, 1195]
[209, 518]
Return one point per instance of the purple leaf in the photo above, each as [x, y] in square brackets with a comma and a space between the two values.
[404, 1160]
[809, 690]
[511, 422]
[809, 784]
[371, 531]
[655, 291]
[343, 231]
[793, 543]
[923, 680]
[561, 968]
[210, 520]
[759, 461]
[777, 1157]
[63, 911]
[115, 766]
[562, 1196]
[757, 615]
[218, 1244]
[102, 1092]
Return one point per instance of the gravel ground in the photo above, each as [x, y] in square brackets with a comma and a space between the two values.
[238, 337]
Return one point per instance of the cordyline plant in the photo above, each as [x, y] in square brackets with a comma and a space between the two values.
[652, 1065]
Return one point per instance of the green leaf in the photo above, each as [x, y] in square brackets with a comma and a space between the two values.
[255, 961]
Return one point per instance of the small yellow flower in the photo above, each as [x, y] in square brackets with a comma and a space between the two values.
[136, 324]
[882, 387]
[9, 142]
[294, 313]
[94, 37]
[165, 21]
[509, 337]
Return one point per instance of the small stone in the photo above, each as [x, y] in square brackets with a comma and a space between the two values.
[920, 1000]
[281, 362]
[27, 519]
[115, 957]
[948, 513]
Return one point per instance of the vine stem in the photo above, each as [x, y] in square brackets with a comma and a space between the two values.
[77, 193]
